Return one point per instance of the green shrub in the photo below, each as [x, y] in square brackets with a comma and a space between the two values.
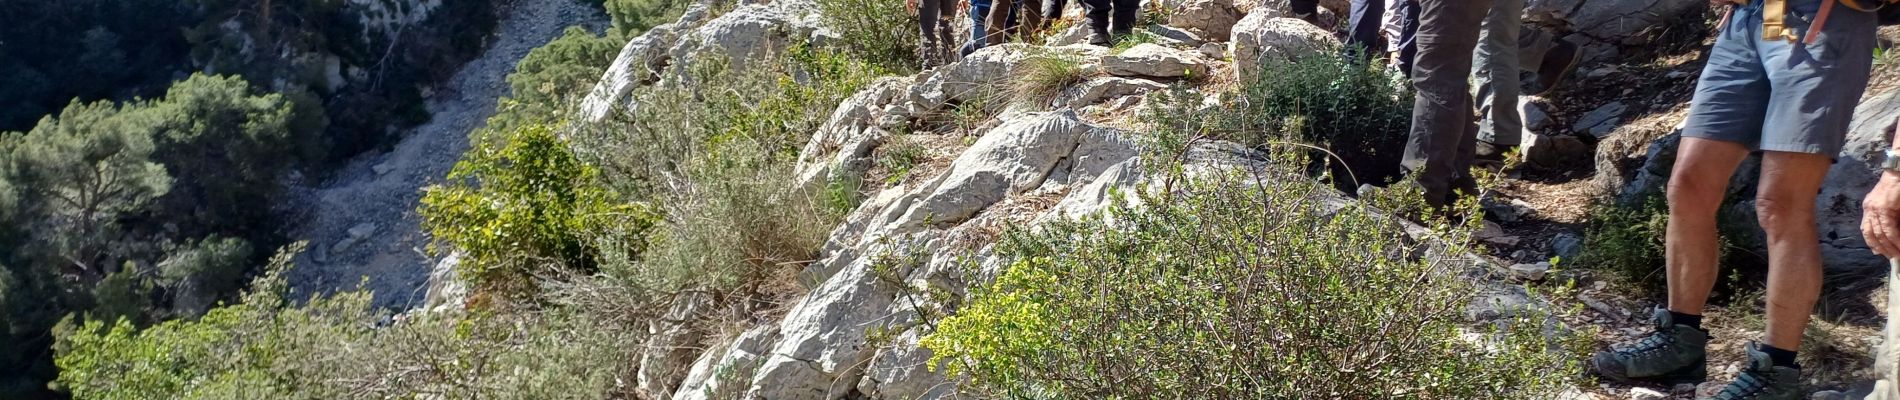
[520, 207]
[632, 17]
[199, 273]
[880, 32]
[1629, 242]
[717, 158]
[1232, 290]
[1042, 77]
[1355, 111]
[267, 347]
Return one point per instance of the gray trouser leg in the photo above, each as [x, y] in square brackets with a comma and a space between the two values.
[1497, 74]
[1442, 133]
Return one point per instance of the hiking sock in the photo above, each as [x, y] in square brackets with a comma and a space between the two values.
[1693, 321]
[1781, 358]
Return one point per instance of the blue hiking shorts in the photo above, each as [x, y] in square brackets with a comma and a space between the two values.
[1784, 95]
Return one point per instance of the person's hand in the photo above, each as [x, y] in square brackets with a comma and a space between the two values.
[1880, 216]
[910, 6]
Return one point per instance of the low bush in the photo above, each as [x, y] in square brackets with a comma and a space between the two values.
[1042, 77]
[1237, 286]
[522, 207]
[1628, 242]
[1357, 111]
[716, 159]
[879, 32]
[269, 347]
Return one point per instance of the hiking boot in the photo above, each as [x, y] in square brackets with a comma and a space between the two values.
[1673, 354]
[1557, 63]
[1763, 380]
[1491, 153]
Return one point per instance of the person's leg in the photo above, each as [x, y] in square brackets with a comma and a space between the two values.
[1303, 8]
[1030, 14]
[1448, 31]
[979, 10]
[1052, 9]
[1125, 15]
[998, 20]
[1785, 207]
[1097, 12]
[934, 31]
[1692, 248]
[1408, 38]
[1364, 39]
[1501, 127]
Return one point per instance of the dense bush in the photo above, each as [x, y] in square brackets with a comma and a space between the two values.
[716, 158]
[632, 17]
[270, 347]
[1357, 111]
[880, 32]
[1629, 242]
[228, 143]
[103, 197]
[1238, 287]
[523, 206]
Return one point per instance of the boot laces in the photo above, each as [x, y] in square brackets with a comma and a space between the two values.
[1650, 345]
[1747, 386]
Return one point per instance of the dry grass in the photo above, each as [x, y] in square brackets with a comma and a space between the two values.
[1043, 76]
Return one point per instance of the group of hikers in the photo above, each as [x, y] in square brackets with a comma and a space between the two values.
[1782, 79]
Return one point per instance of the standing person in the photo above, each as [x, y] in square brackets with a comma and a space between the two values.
[1362, 37]
[979, 31]
[1110, 20]
[998, 20]
[934, 49]
[1787, 88]
[1443, 136]
[1500, 128]
[1401, 27]
[1025, 19]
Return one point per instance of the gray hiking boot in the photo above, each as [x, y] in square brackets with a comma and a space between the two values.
[1673, 354]
[1763, 380]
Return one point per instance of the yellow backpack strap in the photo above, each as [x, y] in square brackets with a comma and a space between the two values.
[1774, 20]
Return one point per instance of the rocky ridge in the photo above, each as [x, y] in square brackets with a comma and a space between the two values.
[1023, 167]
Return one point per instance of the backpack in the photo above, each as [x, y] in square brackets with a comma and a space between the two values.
[1887, 11]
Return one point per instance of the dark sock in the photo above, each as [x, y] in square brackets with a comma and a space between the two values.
[1693, 321]
[1781, 358]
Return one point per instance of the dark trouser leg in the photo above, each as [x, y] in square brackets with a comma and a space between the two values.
[1497, 72]
[1126, 11]
[998, 21]
[1364, 38]
[1097, 11]
[1442, 130]
[1052, 9]
[935, 30]
[1303, 7]
[1031, 14]
[1408, 36]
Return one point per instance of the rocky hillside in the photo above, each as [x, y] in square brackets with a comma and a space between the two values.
[1026, 166]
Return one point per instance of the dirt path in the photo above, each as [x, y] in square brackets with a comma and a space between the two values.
[362, 225]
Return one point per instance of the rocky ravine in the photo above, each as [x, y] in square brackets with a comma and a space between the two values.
[362, 225]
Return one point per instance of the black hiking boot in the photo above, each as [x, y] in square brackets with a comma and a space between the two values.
[1763, 380]
[1673, 354]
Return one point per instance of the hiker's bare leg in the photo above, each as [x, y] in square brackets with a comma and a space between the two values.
[1696, 187]
[1785, 206]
